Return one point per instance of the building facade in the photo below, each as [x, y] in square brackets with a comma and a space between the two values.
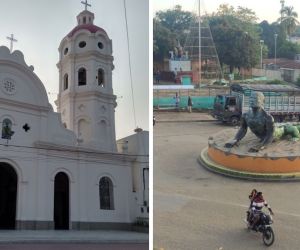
[63, 170]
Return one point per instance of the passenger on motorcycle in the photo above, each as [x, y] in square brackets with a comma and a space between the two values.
[257, 205]
[251, 198]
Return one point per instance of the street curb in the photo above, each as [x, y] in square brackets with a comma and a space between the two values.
[206, 162]
[71, 237]
[47, 241]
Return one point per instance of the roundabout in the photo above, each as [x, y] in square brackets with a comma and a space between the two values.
[279, 161]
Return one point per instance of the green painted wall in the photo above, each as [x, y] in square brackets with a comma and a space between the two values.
[199, 102]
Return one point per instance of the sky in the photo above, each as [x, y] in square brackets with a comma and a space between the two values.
[264, 9]
[40, 25]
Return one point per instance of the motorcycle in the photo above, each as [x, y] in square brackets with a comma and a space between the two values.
[263, 226]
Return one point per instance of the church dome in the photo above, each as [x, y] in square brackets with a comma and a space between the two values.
[85, 37]
[90, 27]
[85, 21]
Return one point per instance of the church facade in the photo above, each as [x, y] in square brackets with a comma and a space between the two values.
[64, 170]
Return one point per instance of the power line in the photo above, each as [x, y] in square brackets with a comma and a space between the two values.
[129, 59]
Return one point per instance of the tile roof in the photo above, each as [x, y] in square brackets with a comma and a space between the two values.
[283, 63]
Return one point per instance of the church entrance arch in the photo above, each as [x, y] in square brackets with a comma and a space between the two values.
[8, 196]
[61, 201]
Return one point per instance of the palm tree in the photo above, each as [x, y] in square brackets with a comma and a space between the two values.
[289, 19]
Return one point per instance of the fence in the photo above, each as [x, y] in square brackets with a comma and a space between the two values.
[203, 99]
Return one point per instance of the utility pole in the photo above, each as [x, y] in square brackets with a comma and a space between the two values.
[275, 37]
[199, 28]
[261, 47]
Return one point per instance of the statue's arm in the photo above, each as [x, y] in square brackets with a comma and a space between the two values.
[269, 131]
[270, 127]
[240, 134]
[243, 129]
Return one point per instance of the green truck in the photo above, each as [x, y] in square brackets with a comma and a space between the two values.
[281, 101]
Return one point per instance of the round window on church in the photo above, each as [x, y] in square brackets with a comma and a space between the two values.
[9, 86]
[66, 51]
[100, 45]
[82, 44]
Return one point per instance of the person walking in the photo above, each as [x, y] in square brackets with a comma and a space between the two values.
[157, 77]
[190, 104]
[177, 100]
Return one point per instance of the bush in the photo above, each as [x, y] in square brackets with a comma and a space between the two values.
[219, 83]
[276, 81]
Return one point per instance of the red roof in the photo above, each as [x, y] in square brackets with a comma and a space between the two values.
[283, 63]
[90, 27]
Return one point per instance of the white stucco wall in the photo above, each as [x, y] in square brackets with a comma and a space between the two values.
[138, 145]
[48, 148]
[36, 170]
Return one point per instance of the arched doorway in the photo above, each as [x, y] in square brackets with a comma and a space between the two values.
[61, 201]
[8, 196]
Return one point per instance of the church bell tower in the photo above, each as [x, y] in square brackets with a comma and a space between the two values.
[86, 100]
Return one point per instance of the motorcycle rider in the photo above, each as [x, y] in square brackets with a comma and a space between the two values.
[257, 205]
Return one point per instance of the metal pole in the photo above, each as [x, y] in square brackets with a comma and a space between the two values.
[275, 36]
[261, 47]
[199, 30]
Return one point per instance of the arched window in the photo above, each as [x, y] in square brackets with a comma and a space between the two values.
[84, 20]
[81, 76]
[7, 129]
[101, 77]
[106, 194]
[66, 82]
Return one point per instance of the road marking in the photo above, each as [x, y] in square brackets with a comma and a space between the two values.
[219, 202]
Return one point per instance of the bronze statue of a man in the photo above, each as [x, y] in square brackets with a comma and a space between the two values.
[262, 125]
[259, 122]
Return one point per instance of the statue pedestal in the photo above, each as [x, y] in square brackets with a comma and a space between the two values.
[177, 65]
[279, 161]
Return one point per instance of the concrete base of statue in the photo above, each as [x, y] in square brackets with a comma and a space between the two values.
[278, 161]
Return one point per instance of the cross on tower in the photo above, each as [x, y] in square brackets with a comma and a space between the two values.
[12, 39]
[86, 4]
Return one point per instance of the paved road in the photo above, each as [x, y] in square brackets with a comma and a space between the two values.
[197, 209]
[74, 246]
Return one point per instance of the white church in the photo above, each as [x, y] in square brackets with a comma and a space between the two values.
[66, 170]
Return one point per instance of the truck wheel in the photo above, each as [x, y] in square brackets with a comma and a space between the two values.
[235, 120]
[278, 118]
